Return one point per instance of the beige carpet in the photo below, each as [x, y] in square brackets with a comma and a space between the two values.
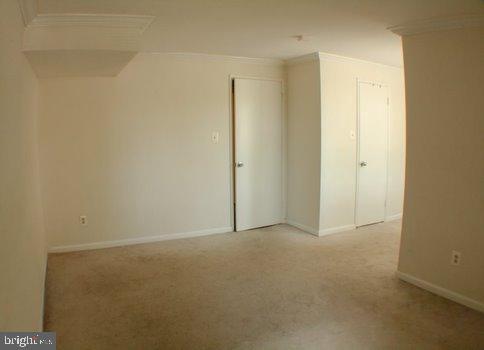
[271, 288]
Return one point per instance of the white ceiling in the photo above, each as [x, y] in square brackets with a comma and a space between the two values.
[267, 28]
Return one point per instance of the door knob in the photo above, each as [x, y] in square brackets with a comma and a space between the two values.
[239, 164]
[363, 164]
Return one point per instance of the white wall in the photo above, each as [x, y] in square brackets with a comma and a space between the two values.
[444, 74]
[134, 152]
[339, 116]
[22, 243]
[322, 110]
[304, 143]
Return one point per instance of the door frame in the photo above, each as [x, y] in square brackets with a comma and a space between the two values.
[387, 127]
[232, 202]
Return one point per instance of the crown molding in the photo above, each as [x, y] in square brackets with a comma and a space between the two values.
[437, 24]
[137, 23]
[323, 56]
[29, 9]
[223, 58]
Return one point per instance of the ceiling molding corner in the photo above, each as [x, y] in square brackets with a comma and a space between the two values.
[314, 56]
[437, 24]
[29, 9]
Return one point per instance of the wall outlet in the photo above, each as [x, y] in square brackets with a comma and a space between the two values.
[455, 258]
[83, 220]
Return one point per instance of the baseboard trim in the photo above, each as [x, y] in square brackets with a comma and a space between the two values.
[302, 227]
[131, 241]
[394, 217]
[320, 233]
[443, 292]
[42, 306]
[331, 230]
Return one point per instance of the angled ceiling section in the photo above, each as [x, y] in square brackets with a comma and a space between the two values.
[68, 45]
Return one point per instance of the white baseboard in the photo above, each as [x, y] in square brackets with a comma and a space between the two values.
[394, 217]
[130, 241]
[305, 228]
[331, 230]
[42, 306]
[443, 292]
[319, 233]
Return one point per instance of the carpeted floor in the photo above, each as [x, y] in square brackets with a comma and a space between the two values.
[271, 288]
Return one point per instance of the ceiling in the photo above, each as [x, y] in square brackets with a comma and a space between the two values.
[268, 28]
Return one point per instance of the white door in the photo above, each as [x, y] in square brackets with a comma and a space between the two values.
[372, 153]
[258, 153]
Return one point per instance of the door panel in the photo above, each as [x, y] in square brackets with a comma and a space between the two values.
[372, 153]
[258, 153]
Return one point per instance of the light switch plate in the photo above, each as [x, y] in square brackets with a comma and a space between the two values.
[352, 135]
[215, 137]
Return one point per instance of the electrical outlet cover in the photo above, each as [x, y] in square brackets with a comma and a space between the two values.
[456, 257]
